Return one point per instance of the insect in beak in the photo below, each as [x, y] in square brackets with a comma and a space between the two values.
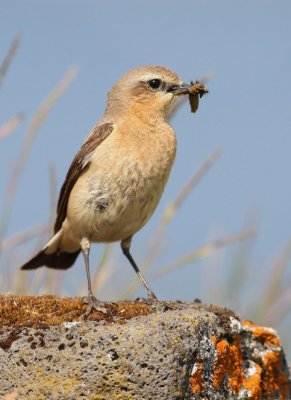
[195, 91]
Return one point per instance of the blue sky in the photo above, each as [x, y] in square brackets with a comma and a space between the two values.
[247, 114]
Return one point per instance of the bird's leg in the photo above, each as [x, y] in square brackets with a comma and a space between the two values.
[91, 300]
[125, 246]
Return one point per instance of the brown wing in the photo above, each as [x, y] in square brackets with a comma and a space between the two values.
[80, 162]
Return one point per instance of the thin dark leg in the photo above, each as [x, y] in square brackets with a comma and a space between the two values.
[125, 245]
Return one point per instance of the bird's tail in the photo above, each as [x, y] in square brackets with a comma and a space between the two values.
[55, 260]
[51, 256]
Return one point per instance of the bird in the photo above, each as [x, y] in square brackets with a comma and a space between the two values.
[117, 178]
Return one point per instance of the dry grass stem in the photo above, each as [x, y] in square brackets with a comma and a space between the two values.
[9, 57]
[35, 124]
[241, 264]
[171, 209]
[43, 112]
[277, 311]
[274, 288]
[206, 250]
[21, 237]
[8, 127]
[206, 77]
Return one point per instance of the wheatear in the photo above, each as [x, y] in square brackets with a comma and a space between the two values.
[117, 178]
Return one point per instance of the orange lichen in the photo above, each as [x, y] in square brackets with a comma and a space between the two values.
[236, 376]
[274, 380]
[228, 363]
[265, 335]
[196, 380]
[252, 383]
[266, 377]
[221, 363]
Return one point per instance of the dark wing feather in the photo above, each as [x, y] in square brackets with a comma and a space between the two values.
[80, 162]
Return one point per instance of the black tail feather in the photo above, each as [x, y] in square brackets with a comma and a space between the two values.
[56, 260]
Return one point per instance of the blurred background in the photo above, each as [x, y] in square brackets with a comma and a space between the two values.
[222, 230]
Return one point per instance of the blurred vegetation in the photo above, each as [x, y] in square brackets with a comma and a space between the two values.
[267, 305]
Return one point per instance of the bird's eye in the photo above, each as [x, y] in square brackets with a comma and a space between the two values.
[155, 83]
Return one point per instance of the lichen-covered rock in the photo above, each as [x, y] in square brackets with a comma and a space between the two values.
[247, 365]
[177, 351]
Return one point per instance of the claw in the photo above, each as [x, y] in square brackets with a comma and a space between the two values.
[94, 304]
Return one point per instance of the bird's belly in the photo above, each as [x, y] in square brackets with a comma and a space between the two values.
[115, 210]
[119, 191]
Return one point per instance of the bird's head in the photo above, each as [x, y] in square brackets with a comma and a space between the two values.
[147, 92]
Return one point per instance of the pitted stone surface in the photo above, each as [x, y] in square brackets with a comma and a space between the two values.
[166, 355]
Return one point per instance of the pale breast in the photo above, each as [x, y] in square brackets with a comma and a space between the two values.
[120, 191]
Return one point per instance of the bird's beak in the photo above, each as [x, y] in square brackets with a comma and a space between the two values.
[179, 89]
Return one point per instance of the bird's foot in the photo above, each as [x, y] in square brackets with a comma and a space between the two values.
[151, 299]
[97, 305]
[154, 303]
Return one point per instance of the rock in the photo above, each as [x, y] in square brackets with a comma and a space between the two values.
[171, 351]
